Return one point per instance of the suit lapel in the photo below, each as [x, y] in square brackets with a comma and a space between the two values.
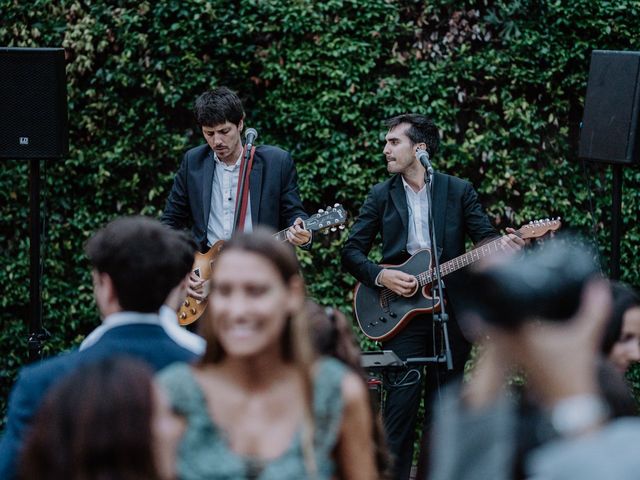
[440, 189]
[207, 184]
[399, 199]
[255, 188]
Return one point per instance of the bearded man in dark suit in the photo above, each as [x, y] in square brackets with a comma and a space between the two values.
[398, 210]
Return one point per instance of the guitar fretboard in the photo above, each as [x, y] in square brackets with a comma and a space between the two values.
[462, 261]
[281, 236]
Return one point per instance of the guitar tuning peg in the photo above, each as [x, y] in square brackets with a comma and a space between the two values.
[333, 229]
[336, 205]
[329, 208]
[341, 227]
[320, 210]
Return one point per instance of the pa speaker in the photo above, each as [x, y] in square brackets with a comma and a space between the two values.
[610, 123]
[33, 103]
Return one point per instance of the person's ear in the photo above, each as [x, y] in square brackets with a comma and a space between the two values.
[105, 293]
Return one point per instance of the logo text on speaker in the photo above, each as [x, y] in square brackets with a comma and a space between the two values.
[24, 140]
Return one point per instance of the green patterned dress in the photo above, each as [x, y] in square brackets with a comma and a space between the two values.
[204, 451]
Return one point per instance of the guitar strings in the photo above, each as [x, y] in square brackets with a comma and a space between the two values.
[424, 278]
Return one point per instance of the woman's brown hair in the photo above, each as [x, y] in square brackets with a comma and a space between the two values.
[94, 424]
[333, 337]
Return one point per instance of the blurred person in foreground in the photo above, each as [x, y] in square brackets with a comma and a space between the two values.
[542, 316]
[136, 263]
[621, 342]
[332, 336]
[107, 420]
[168, 312]
[261, 404]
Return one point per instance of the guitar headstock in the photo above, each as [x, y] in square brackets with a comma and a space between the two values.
[538, 228]
[330, 218]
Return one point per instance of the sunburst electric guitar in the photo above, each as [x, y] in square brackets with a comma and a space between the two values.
[330, 219]
[381, 313]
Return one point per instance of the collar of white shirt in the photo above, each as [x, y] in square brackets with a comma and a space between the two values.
[117, 320]
[231, 167]
[408, 187]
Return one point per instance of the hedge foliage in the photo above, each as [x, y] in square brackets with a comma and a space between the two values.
[504, 80]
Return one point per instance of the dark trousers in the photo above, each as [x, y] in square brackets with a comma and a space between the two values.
[402, 402]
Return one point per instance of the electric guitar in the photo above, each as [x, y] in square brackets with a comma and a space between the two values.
[382, 313]
[332, 218]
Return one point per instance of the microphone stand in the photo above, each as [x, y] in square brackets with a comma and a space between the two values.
[442, 317]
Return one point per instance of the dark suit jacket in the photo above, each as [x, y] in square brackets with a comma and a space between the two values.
[275, 201]
[457, 213]
[147, 342]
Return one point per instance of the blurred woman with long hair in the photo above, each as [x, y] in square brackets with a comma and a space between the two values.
[261, 404]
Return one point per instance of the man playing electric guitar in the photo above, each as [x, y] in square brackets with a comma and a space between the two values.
[204, 191]
[397, 209]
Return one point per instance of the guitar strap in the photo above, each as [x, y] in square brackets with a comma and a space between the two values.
[243, 204]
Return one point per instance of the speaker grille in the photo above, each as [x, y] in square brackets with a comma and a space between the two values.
[33, 103]
[610, 121]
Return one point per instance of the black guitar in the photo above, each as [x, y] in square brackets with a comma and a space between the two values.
[381, 313]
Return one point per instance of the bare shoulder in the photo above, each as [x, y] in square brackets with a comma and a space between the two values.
[354, 390]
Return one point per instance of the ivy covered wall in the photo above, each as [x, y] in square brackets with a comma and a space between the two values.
[504, 81]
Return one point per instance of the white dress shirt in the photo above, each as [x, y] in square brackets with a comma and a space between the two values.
[418, 206]
[223, 201]
[180, 335]
[418, 222]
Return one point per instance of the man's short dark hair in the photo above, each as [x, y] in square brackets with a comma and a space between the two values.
[422, 130]
[144, 259]
[217, 106]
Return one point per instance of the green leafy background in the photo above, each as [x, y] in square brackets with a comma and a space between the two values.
[504, 80]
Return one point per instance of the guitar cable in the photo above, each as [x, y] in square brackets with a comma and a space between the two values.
[405, 380]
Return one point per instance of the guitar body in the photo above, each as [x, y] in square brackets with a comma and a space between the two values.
[381, 314]
[192, 309]
[332, 218]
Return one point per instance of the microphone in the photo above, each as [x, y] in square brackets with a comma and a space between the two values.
[250, 136]
[423, 157]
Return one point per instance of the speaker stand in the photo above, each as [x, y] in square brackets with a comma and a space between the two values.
[616, 221]
[37, 333]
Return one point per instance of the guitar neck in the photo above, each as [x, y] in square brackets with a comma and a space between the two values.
[484, 251]
[281, 236]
